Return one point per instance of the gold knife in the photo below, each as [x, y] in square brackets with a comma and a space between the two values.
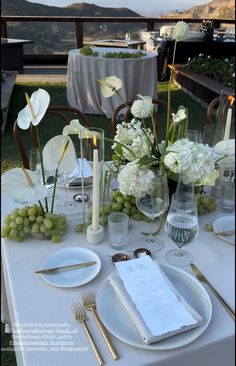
[202, 278]
[69, 266]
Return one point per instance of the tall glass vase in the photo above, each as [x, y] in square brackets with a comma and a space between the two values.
[93, 145]
[226, 113]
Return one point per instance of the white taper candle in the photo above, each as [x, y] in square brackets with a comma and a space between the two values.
[95, 210]
[228, 124]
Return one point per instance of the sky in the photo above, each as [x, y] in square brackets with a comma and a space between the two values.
[136, 5]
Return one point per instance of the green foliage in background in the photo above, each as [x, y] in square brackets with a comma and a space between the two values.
[220, 69]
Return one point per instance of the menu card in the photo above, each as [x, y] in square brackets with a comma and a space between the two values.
[157, 303]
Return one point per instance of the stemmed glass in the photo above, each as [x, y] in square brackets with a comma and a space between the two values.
[153, 200]
[182, 224]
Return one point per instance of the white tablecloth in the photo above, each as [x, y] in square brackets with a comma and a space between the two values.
[139, 76]
[34, 305]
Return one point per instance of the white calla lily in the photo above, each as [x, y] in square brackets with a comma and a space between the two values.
[179, 116]
[23, 185]
[55, 156]
[110, 85]
[34, 110]
[75, 128]
[225, 151]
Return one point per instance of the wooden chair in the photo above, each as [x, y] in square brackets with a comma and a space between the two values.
[127, 114]
[212, 109]
[65, 115]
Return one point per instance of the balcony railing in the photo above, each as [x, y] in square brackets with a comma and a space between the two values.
[79, 22]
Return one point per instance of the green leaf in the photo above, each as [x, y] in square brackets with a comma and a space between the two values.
[148, 160]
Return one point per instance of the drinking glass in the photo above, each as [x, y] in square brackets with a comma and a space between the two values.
[182, 224]
[194, 135]
[153, 200]
[118, 229]
[35, 166]
[212, 134]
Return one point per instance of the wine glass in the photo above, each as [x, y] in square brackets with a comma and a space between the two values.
[182, 224]
[153, 201]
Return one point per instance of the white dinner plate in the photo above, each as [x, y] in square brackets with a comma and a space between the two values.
[225, 223]
[118, 322]
[72, 277]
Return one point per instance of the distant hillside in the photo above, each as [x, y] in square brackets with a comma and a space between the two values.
[218, 9]
[23, 7]
[60, 37]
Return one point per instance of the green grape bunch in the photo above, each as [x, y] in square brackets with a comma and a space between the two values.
[117, 203]
[205, 203]
[31, 221]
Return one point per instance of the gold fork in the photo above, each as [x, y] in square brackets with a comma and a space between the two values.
[81, 317]
[90, 303]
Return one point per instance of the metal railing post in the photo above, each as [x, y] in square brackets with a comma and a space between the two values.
[3, 29]
[79, 34]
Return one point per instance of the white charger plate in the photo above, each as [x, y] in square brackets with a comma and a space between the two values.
[117, 321]
[225, 223]
[73, 277]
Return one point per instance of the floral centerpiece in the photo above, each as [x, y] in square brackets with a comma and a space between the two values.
[136, 147]
[25, 186]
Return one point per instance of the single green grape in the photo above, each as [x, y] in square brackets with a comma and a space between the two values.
[47, 223]
[79, 228]
[32, 218]
[116, 207]
[120, 199]
[137, 216]
[204, 200]
[35, 228]
[39, 219]
[13, 225]
[107, 209]
[32, 211]
[56, 239]
[208, 227]
[7, 219]
[23, 212]
[126, 211]
[19, 220]
[128, 204]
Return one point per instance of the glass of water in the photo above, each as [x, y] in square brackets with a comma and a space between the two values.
[182, 226]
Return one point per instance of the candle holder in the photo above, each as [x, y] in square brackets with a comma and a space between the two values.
[93, 148]
[226, 113]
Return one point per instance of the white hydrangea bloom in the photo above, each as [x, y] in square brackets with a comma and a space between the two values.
[132, 135]
[193, 161]
[180, 31]
[225, 151]
[132, 177]
[141, 108]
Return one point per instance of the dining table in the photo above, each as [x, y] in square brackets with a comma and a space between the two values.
[138, 75]
[40, 315]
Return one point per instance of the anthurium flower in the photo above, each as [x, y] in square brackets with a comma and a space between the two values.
[225, 151]
[110, 85]
[23, 185]
[75, 128]
[208, 179]
[59, 153]
[34, 110]
[179, 116]
[180, 31]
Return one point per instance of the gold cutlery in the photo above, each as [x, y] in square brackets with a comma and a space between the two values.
[225, 233]
[81, 317]
[69, 266]
[90, 304]
[202, 278]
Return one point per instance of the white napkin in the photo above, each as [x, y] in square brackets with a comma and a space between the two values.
[118, 286]
[87, 169]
